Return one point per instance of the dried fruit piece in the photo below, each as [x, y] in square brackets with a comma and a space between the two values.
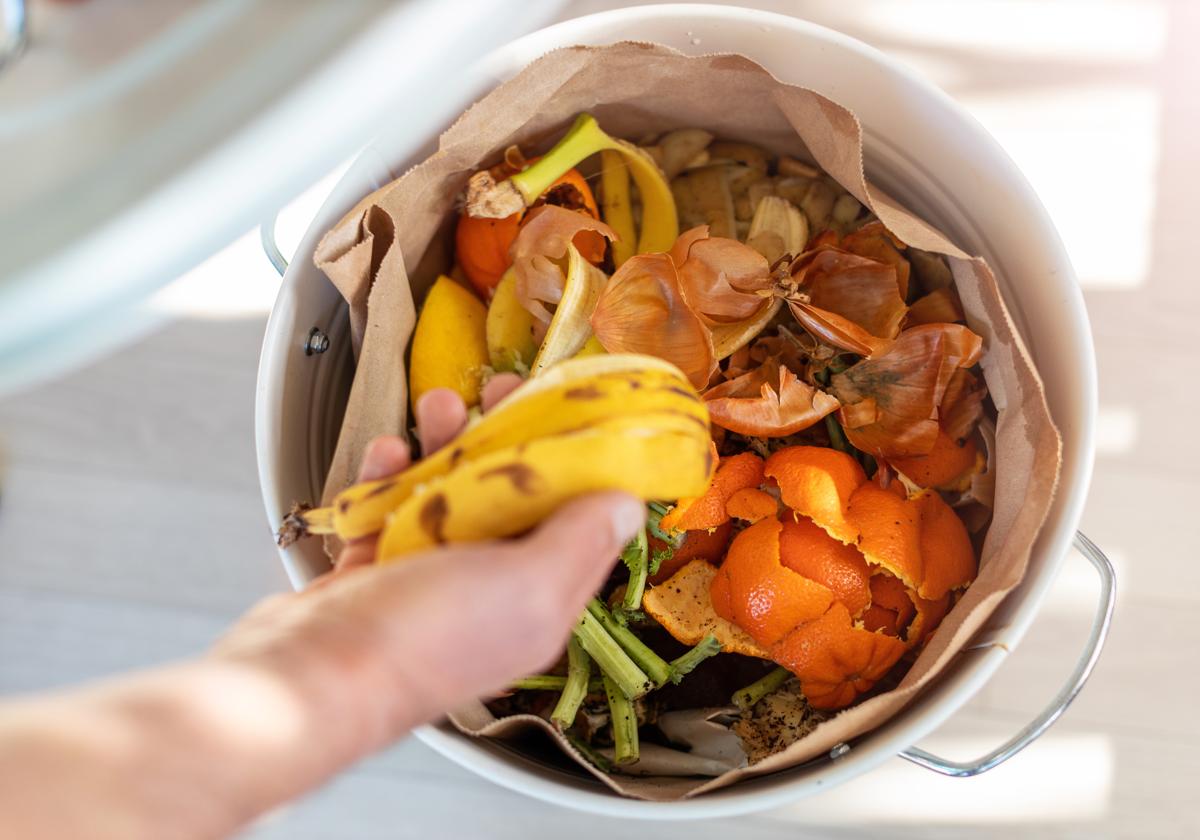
[683, 606]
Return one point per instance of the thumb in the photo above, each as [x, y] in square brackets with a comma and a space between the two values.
[573, 551]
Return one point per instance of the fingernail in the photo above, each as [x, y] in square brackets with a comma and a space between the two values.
[628, 517]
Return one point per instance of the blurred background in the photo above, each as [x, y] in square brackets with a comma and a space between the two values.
[132, 531]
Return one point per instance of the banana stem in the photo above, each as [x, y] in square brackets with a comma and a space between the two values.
[746, 698]
[624, 723]
[654, 666]
[684, 664]
[575, 685]
[302, 521]
[582, 140]
[609, 656]
[636, 558]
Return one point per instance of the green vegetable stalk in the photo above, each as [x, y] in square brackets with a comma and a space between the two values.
[636, 557]
[746, 698]
[624, 723]
[609, 656]
[684, 664]
[575, 685]
[837, 438]
[653, 522]
[550, 682]
[650, 662]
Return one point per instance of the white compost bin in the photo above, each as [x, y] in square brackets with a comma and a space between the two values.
[920, 147]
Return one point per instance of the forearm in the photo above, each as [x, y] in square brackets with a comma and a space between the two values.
[191, 751]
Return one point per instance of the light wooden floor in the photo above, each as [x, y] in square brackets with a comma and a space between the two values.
[131, 529]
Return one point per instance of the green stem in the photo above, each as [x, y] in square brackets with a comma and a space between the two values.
[746, 698]
[636, 557]
[653, 520]
[684, 664]
[837, 437]
[609, 656]
[575, 685]
[650, 662]
[624, 723]
[590, 754]
[550, 682]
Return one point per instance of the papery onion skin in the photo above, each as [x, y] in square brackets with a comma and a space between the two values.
[543, 240]
[641, 310]
[769, 401]
[907, 383]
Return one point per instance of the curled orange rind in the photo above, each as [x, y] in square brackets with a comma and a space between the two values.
[837, 587]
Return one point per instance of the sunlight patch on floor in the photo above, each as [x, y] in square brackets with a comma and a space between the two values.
[1060, 778]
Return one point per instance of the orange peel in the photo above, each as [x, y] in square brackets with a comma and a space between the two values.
[765, 598]
[808, 550]
[751, 504]
[702, 545]
[948, 466]
[817, 482]
[835, 660]
[733, 473]
[892, 608]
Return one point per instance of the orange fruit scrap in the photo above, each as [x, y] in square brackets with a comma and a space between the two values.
[948, 466]
[751, 504]
[482, 245]
[838, 586]
[734, 473]
[696, 545]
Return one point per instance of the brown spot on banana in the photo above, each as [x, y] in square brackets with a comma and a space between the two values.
[378, 490]
[583, 392]
[432, 517]
[524, 479]
[675, 389]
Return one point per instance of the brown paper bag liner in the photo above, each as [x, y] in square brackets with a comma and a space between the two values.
[634, 89]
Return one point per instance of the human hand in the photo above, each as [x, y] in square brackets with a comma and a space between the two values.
[376, 650]
[309, 682]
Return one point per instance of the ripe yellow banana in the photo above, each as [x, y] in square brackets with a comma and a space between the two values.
[659, 455]
[660, 225]
[569, 396]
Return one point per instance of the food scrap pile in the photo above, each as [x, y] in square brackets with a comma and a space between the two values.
[732, 336]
